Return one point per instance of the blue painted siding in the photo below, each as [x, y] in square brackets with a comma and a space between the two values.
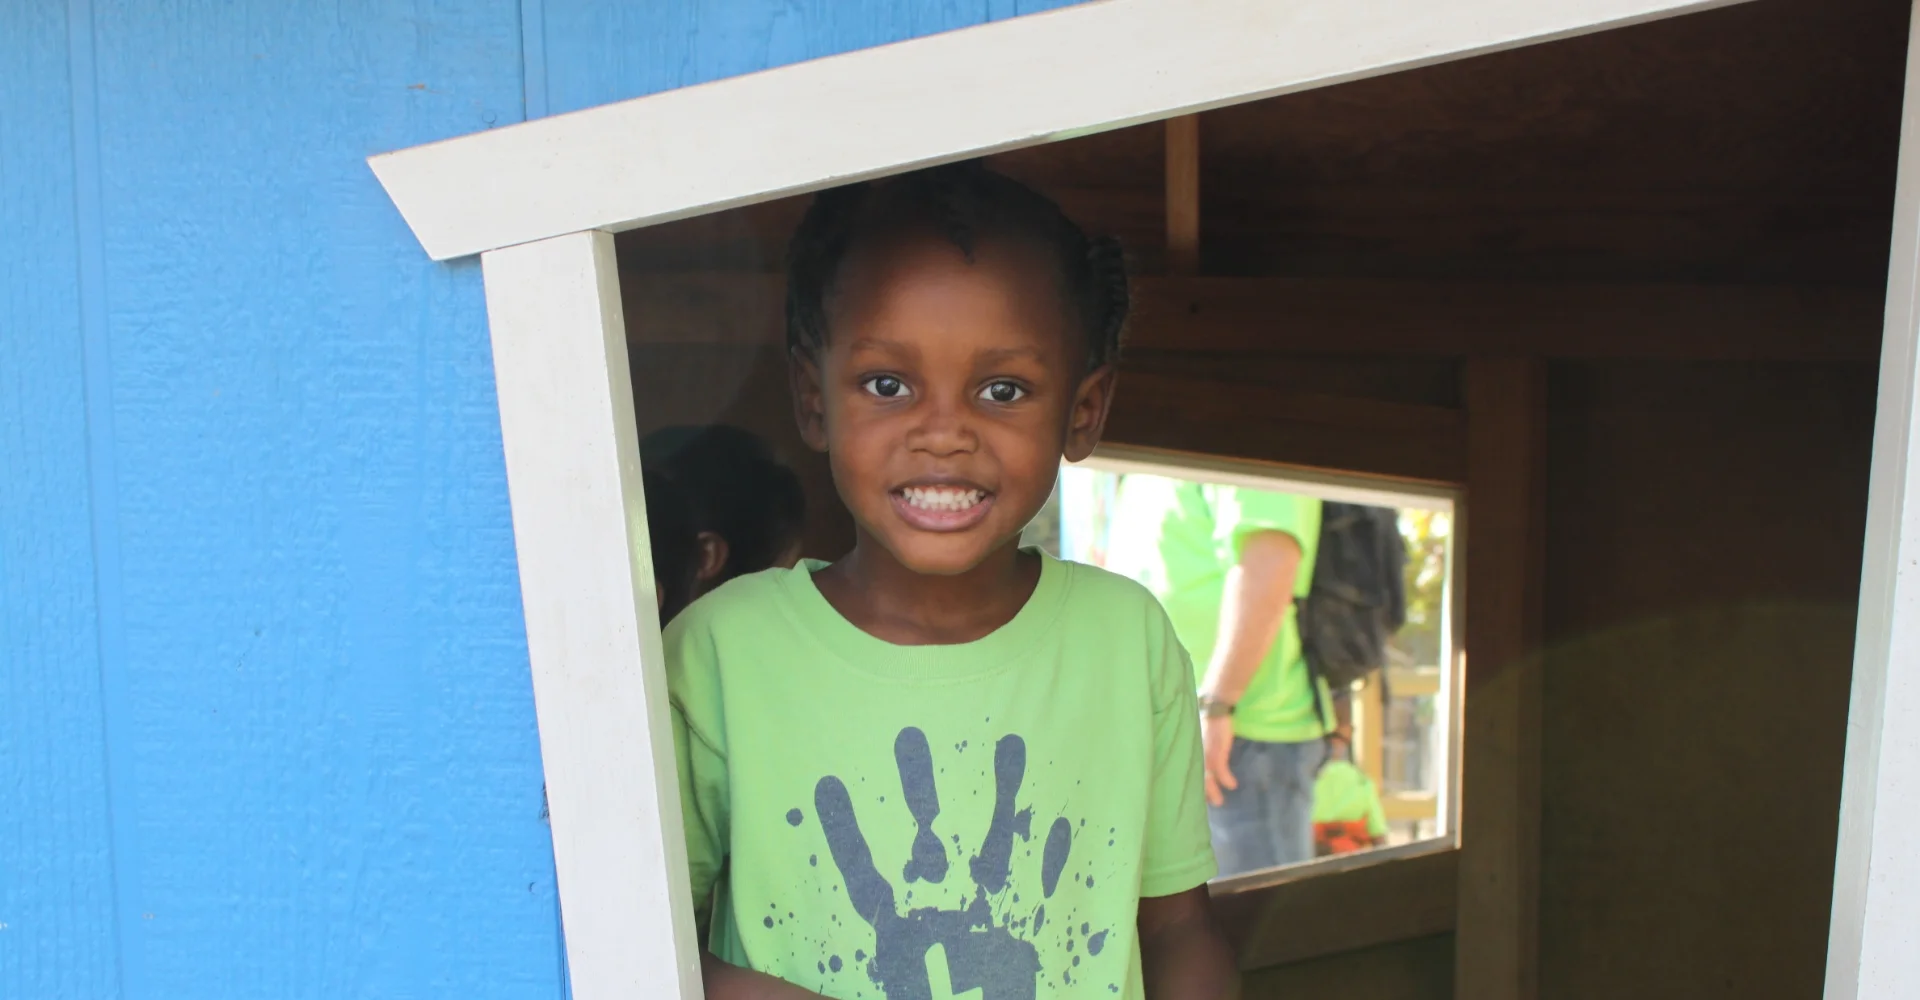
[265, 720]
[56, 878]
[599, 51]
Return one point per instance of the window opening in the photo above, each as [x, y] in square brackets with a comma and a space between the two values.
[1402, 719]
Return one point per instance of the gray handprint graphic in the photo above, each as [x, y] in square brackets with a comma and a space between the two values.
[980, 953]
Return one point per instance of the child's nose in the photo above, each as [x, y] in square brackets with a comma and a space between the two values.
[945, 428]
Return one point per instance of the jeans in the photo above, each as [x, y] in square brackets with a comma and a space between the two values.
[1268, 820]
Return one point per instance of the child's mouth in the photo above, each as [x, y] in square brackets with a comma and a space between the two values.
[942, 508]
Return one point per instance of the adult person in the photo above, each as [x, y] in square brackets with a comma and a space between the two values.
[1227, 563]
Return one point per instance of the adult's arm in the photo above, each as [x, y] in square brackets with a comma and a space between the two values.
[1259, 592]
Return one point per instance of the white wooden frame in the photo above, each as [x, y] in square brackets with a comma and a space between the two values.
[538, 201]
[1871, 953]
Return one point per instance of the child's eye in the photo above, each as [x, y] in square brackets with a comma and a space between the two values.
[885, 386]
[1002, 392]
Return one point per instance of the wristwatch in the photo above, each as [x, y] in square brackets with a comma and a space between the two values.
[1214, 708]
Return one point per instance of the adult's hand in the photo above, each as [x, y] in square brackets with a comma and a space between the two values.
[1216, 741]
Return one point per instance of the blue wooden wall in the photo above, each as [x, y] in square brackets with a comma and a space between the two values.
[265, 721]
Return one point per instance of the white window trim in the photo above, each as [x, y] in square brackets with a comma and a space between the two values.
[539, 200]
[1254, 474]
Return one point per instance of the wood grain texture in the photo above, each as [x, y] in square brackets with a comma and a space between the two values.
[1503, 543]
[57, 890]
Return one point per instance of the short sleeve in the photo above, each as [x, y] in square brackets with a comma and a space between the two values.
[1239, 512]
[700, 752]
[1178, 850]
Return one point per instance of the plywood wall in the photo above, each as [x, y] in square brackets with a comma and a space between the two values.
[1420, 969]
[1705, 527]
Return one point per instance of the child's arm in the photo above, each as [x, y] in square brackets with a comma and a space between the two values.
[731, 982]
[1183, 955]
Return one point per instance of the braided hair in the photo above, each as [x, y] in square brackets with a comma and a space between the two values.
[964, 203]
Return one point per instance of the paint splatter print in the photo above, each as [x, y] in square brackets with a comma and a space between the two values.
[985, 945]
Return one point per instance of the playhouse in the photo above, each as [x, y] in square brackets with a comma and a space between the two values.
[328, 664]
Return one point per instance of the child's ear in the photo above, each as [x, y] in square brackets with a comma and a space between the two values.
[1088, 419]
[809, 402]
[713, 556]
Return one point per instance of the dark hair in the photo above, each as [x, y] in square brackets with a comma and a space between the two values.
[674, 540]
[737, 488]
[965, 203]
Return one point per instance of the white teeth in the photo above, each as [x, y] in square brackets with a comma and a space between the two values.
[941, 498]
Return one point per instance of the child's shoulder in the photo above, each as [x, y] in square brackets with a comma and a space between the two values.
[742, 598]
[1097, 596]
[1095, 582]
[1093, 586]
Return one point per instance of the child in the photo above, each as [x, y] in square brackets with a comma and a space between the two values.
[945, 766]
[674, 543]
[1347, 815]
[749, 508]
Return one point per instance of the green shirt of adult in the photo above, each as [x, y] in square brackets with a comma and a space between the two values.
[1179, 539]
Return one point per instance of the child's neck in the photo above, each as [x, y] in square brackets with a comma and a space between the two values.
[885, 599]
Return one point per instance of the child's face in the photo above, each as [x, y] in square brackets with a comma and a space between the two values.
[946, 396]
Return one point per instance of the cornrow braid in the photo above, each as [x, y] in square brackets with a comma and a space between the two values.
[962, 203]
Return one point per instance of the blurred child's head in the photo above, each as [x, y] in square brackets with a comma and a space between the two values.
[674, 542]
[748, 509]
[952, 336]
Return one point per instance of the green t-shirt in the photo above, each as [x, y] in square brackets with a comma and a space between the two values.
[898, 819]
[1344, 794]
[1179, 539]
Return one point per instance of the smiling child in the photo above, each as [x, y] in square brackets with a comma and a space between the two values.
[943, 764]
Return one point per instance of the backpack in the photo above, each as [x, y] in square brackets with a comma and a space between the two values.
[1358, 598]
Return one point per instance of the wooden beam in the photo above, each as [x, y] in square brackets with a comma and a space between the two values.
[1183, 194]
[1463, 319]
[1395, 441]
[1370, 711]
[1337, 905]
[1342, 316]
[1504, 533]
